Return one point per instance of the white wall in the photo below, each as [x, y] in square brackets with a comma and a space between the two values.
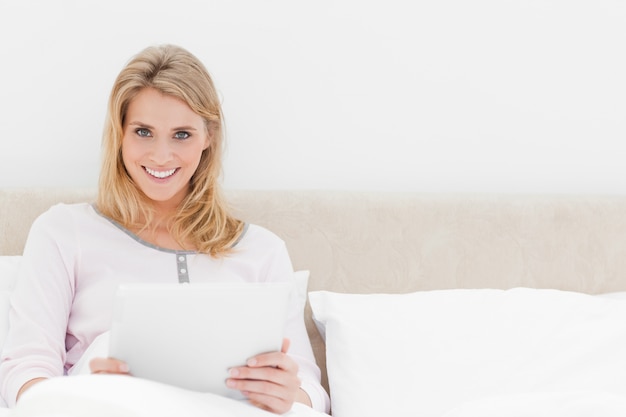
[436, 95]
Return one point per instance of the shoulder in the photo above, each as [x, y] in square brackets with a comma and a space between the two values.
[62, 212]
[255, 235]
[64, 217]
[59, 226]
[266, 251]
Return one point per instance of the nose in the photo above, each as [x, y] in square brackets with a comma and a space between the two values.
[161, 151]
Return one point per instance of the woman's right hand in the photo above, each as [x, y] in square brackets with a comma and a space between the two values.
[28, 385]
[96, 365]
[108, 366]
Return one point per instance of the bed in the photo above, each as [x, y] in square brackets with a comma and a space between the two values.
[446, 305]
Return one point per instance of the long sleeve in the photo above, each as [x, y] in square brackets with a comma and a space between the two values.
[40, 307]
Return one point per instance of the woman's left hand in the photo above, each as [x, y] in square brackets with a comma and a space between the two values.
[108, 366]
[270, 381]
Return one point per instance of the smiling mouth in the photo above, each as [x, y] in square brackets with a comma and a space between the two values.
[160, 174]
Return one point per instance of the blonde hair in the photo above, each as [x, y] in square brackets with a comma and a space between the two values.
[202, 219]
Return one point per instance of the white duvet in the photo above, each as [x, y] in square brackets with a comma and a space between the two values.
[124, 396]
[121, 396]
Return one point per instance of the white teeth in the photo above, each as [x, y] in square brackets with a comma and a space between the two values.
[160, 174]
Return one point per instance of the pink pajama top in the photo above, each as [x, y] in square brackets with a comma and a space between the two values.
[73, 262]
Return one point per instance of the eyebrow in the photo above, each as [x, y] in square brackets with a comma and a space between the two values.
[147, 126]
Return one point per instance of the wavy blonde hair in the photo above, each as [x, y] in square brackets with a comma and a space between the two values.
[202, 219]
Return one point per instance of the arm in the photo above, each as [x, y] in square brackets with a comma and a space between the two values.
[40, 307]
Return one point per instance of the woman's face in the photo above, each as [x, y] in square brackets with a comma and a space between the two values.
[161, 147]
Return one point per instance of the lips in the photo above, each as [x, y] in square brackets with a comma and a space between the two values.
[160, 174]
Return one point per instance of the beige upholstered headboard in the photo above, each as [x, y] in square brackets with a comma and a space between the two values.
[393, 242]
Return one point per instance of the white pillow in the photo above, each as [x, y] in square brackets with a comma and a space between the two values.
[427, 352]
[617, 295]
[545, 404]
[301, 279]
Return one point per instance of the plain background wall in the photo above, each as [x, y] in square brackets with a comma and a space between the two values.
[437, 95]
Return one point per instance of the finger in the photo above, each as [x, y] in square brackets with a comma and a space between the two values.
[273, 360]
[270, 388]
[267, 359]
[266, 392]
[108, 366]
[271, 404]
[272, 375]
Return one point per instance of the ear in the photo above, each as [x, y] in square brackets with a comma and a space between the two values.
[210, 133]
[208, 138]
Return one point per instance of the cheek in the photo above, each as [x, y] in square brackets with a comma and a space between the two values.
[194, 159]
[129, 153]
[124, 152]
[195, 156]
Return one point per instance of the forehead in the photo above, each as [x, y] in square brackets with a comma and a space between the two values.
[152, 107]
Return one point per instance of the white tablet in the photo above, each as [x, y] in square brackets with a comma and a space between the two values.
[189, 335]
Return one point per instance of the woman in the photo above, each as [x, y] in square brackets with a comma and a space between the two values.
[159, 217]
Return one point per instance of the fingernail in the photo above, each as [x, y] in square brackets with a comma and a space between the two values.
[251, 362]
[123, 367]
[230, 383]
[234, 372]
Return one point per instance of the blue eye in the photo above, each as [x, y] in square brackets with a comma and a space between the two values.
[144, 133]
[181, 135]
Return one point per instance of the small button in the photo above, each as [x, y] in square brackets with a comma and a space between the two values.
[181, 258]
[183, 271]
